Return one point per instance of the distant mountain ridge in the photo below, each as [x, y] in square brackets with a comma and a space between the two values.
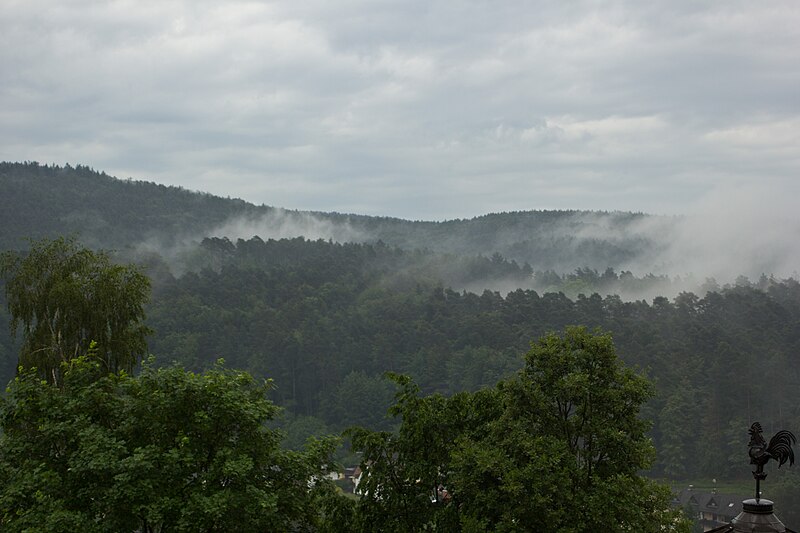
[44, 201]
[106, 212]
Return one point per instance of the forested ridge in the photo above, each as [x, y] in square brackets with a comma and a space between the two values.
[51, 200]
[48, 201]
[326, 319]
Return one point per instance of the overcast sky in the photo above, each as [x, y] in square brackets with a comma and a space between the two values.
[419, 109]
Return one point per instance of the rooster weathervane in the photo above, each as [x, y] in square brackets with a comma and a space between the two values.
[779, 448]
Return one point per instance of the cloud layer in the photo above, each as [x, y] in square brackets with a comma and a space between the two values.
[423, 110]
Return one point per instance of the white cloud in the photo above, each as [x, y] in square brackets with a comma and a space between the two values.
[777, 135]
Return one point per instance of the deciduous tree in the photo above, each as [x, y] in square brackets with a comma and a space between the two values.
[63, 297]
[166, 451]
[557, 448]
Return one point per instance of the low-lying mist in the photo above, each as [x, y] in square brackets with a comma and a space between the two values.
[285, 224]
[736, 232]
[729, 238]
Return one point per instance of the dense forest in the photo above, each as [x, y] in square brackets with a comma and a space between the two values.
[327, 317]
[51, 200]
[326, 320]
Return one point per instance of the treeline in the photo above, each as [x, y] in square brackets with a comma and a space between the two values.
[549, 240]
[39, 200]
[327, 320]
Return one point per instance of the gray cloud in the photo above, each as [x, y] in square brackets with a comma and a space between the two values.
[416, 109]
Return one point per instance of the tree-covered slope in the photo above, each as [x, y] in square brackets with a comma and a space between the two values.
[548, 240]
[47, 201]
[325, 320]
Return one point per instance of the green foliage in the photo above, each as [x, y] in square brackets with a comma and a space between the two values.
[556, 448]
[317, 314]
[361, 400]
[63, 297]
[786, 494]
[677, 443]
[574, 390]
[49, 200]
[168, 450]
[45, 201]
[299, 428]
[311, 313]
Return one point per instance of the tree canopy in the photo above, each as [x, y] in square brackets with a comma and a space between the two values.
[556, 448]
[164, 451]
[65, 296]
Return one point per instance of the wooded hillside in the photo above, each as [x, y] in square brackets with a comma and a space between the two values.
[326, 319]
[48, 201]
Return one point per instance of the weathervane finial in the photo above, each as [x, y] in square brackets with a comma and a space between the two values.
[779, 448]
